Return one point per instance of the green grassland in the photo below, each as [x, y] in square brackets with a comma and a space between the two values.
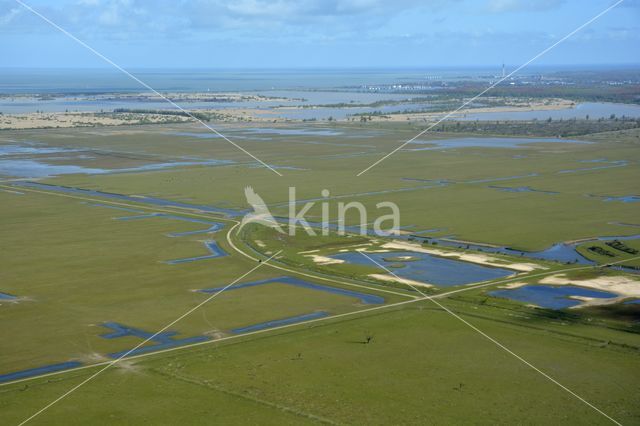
[295, 249]
[467, 207]
[421, 365]
[74, 267]
[618, 255]
[298, 252]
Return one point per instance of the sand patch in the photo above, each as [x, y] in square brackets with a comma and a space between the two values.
[623, 286]
[364, 249]
[260, 243]
[308, 251]
[215, 334]
[596, 301]
[324, 260]
[359, 245]
[128, 366]
[391, 278]
[481, 259]
[514, 285]
[85, 119]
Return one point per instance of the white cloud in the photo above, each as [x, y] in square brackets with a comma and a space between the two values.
[500, 6]
[88, 2]
[7, 17]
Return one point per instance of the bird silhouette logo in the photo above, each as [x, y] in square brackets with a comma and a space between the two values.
[261, 213]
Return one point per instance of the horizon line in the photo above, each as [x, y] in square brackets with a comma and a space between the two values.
[328, 68]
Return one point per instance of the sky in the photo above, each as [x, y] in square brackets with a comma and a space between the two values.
[316, 33]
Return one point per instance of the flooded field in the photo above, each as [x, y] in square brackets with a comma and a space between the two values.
[485, 143]
[426, 268]
[551, 297]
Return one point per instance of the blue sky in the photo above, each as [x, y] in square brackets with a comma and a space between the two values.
[316, 33]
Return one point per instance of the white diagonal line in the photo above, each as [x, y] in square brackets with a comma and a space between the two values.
[500, 345]
[133, 77]
[115, 361]
[449, 114]
[314, 321]
[403, 281]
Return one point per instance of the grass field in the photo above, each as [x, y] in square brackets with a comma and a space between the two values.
[467, 207]
[81, 268]
[73, 263]
[422, 364]
[616, 254]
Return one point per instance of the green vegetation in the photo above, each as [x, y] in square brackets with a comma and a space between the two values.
[73, 267]
[587, 90]
[614, 252]
[420, 363]
[299, 252]
[620, 246]
[198, 115]
[466, 206]
[119, 275]
[548, 128]
[600, 251]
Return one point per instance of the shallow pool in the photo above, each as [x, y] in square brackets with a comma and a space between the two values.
[212, 246]
[5, 296]
[593, 109]
[551, 297]
[426, 268]
[485, 143]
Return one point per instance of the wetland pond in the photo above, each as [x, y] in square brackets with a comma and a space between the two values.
[426, 268]
[438, 144]
[550, 297]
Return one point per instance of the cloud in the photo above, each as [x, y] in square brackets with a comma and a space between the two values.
[292, 24]
[187, 17]
[8, 16]
[297, 14]
[287, 9]
[500, 6]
